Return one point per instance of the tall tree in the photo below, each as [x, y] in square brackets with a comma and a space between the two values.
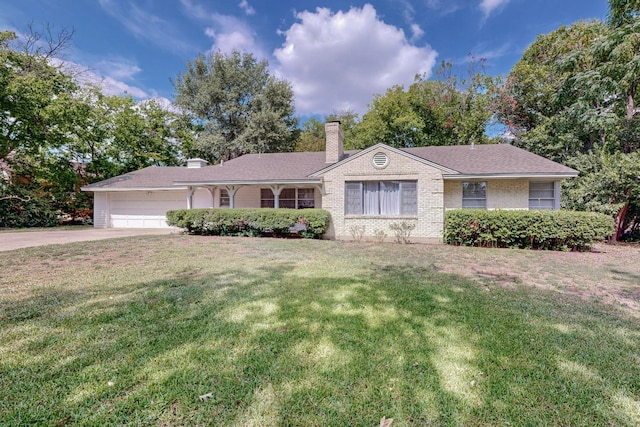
[572, 97]
[238, 105]
[312, 136]
[449, 111]
[33, 95]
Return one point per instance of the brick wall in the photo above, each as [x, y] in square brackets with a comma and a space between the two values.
[430, 218]
[501, 194]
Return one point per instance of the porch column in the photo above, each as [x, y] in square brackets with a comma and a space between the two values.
[231, 189]
[190, 191]
[276, 189]
[212, 191]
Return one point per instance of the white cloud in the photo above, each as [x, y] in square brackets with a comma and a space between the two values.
[228, 32]
[338, 61]
[145, 25]
[444, 7]
[244, 5]
[118, 68]
[488, 6]
[108, 85]
[416, 32]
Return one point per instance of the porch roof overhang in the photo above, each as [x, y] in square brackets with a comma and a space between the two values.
[312, 181]
[530, 175]
[120, 189]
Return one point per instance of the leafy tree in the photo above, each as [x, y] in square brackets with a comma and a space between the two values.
[572, 97]
[238, 105]
[610, 183]
[312, 136]
[56, 136]
[33, 96]
[450, 111]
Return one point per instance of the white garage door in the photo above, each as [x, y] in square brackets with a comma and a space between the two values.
[143, 209]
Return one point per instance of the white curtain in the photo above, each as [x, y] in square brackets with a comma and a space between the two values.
[371, 203]
[389, 198]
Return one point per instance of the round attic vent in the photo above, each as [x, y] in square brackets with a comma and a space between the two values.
[380, 160]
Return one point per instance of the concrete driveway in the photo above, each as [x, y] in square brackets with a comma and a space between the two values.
[18, 240]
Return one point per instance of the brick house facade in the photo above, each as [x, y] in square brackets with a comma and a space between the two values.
[367, 190]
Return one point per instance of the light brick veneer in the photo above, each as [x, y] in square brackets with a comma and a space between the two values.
[430, 187]
[501, 194]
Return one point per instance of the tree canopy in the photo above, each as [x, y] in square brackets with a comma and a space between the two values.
[239, 107]
[572, 97]
[57, 135]
[450, 111]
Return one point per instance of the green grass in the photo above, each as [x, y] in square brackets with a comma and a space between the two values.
[57, 228]
[297, 332]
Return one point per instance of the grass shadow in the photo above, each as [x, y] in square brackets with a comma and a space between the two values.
[295, 340]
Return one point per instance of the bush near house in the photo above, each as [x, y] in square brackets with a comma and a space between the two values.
[251, 222]
[551, 230]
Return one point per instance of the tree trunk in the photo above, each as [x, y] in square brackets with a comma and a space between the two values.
[630, 102]
[619, 222]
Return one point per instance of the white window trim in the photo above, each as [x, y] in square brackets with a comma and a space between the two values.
[486, 191]
[556, 195]
[363, 215]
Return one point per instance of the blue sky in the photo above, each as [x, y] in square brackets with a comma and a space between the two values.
[336, 55]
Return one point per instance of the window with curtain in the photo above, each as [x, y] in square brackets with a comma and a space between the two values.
[292, 198]
[384, 198]
[474, 195]
[542, 195]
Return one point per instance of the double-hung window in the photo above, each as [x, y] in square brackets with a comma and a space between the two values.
[381, 198]
[474, 195]
[542, 195]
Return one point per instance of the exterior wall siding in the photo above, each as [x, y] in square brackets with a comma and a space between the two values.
[430, 188]
[100, 210]
[202, 199]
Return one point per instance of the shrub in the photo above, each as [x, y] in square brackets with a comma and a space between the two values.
[20, 208]
[552, 230]
[251, 222]
[402, 231]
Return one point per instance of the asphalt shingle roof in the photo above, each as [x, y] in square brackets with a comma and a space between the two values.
[489, 159]
[494, 159]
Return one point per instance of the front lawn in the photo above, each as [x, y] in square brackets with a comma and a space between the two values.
[189, 330]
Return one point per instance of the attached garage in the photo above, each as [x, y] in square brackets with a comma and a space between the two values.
[144, 209]
[136, 209]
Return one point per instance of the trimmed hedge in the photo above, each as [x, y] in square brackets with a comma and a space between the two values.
[552, 230]
[251, 222]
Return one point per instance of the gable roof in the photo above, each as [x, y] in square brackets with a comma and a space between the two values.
[377, 147]
[491, 160]
[456, 162]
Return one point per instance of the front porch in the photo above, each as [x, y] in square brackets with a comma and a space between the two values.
[277, 195]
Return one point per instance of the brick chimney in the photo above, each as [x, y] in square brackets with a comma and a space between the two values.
[334, 147]
[196, 163]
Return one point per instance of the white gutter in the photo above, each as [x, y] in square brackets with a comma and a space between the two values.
[256, 182]
[109, 189]
[460, 177]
